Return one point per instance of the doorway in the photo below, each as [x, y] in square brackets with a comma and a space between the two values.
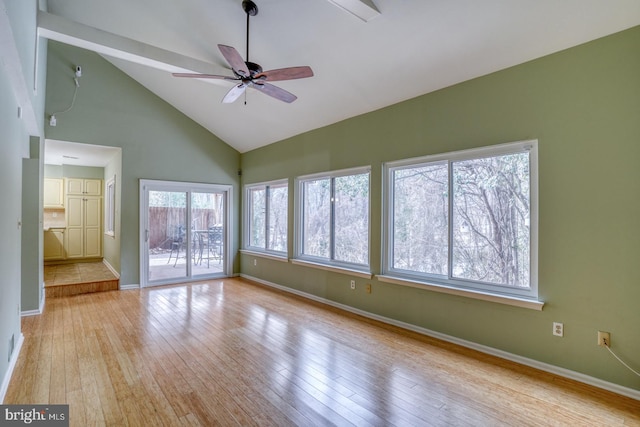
[81, 246]
[184, 231]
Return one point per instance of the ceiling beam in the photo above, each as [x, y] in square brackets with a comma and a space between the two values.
[363, 9]
[54, 27]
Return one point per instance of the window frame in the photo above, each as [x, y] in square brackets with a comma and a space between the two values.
[317, 261]
[110, 207]
[450, 282]
[247, 220]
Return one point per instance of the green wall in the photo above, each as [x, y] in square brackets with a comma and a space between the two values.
[20, 150]
[32, 276]
[111, 244]
[12, 139]
[157, 141]
[583, 105]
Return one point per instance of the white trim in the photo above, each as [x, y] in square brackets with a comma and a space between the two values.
[110, 268]
[267, 255]
[556, 370]
[56, 27]
[39, 310]
[43, 298]
[448, 280]
[358, 170]
[110, 207]
[468, 154]
[146, 185]
[12, 364]
[298, 216]
[129, 287]
[28, 313]
[366, 10]
[247, 212]
[469, 293]
[332, 267]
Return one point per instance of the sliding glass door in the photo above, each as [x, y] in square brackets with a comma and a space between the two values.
[184, 232]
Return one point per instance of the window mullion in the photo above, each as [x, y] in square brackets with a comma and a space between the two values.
[332, 217]
[267, 190]
[450, 221]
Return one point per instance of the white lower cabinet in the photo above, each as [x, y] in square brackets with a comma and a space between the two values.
[54, 244]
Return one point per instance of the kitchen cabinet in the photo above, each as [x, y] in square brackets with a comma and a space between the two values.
[83, 187]
[53, 193]
[84, 227]
[54, 244]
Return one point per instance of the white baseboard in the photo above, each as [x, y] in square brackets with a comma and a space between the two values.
[129, 287]
[110, 267]
[40, 306]
[562, 372]
[12, 364]
[31, 313]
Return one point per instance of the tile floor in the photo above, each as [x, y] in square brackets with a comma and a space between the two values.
[78, 278]
[82, 272]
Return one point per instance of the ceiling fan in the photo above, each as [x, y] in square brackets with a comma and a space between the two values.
[250, 74]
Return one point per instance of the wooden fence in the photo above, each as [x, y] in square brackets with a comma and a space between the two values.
[165, 223]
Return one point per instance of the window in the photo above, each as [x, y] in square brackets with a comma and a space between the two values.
[333, 218]
[266, 216]
[465, 219]
[110, 207]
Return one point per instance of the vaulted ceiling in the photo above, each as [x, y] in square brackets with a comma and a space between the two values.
[400, 49]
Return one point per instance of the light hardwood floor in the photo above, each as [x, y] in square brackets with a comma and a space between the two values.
[228, 352]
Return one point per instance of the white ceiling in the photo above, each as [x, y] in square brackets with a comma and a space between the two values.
[411, 48]
[75, 154]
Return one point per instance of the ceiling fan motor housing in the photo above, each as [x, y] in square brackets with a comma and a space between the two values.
[253, 68]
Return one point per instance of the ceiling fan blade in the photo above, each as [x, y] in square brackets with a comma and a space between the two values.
[203, 76]
[234, 59]
[289, 73]
[234, 93]
[275, 92]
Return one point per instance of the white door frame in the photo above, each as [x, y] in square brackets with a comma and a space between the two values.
[147, 185]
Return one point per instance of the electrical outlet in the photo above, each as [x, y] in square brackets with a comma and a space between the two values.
[255, 262]
[558, 329]
[604, 339]
[353, 284]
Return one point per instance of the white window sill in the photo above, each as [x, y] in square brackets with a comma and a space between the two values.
[281, 258]
[479, 295]
[335, 269]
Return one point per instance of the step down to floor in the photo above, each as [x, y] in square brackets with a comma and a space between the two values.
[56, 291]
[78, 278]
